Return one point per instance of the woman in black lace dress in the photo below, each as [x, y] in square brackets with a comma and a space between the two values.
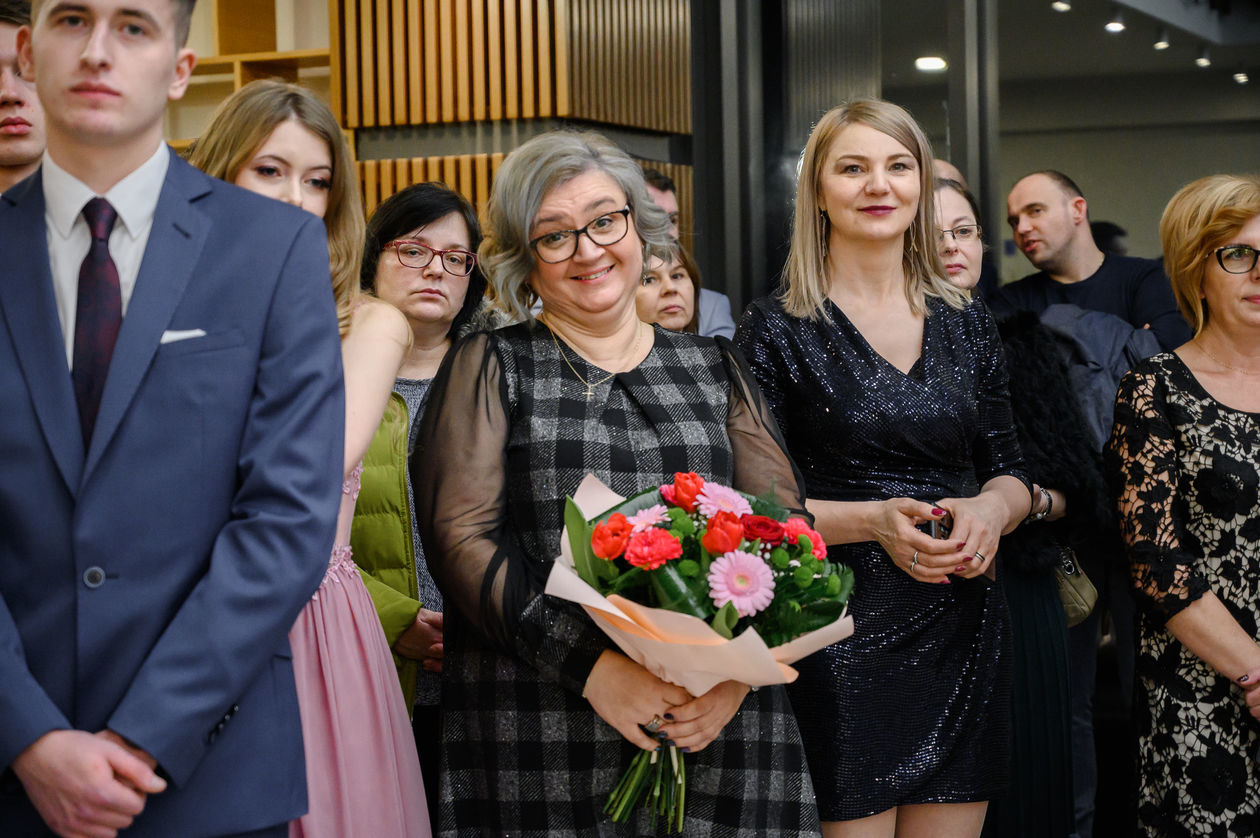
[541, 715]
[890, 390]
[1183, 456]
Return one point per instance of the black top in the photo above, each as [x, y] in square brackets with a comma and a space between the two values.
[1135, 290]
[913, 708]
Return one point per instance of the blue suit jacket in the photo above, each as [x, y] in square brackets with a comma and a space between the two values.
[148, 583]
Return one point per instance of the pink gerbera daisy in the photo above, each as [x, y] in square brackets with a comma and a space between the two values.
[743, 579]
[646, 518]
[714, 498]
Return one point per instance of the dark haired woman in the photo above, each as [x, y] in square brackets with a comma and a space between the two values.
[418, 256]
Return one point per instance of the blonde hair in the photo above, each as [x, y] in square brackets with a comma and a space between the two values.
[527, 175]
[1201, 217]
[804, 286]
[244, 121]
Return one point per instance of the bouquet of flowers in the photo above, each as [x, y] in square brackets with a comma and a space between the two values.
[700, 584]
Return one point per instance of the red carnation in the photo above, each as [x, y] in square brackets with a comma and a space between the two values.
[608, 540]
[795, 527]
[768, 530]
[651, 548]
[724, 534]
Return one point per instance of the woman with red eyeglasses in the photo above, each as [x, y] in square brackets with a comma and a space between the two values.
[418, 256]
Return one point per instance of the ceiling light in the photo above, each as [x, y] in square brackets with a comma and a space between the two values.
[1161, 40]
[930, 64]
[1204, 60]
[1116, 24]
[1241, 77]
[1061, 5]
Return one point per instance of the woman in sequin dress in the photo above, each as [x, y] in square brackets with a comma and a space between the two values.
[890, 389]
[362, 773]
[1182, 457]
[419, 256]
[541, 715]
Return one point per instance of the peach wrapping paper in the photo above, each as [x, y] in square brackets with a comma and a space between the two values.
[675, 647]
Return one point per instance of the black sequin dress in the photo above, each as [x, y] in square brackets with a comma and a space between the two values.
[914, 708]
[508, 433]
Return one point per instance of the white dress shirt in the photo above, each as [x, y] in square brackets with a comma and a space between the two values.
[134, 198]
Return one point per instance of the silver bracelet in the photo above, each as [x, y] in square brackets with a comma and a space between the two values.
[1037, 516]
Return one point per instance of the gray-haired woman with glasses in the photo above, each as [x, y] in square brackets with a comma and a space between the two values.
[541, 713]
[420, 256]
[1182, 459]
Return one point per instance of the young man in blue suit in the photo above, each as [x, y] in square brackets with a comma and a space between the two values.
[172, 449]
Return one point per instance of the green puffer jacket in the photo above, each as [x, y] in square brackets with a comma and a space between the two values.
[381, 536]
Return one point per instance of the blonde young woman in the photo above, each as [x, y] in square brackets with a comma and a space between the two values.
[363, 776]
[890, 390]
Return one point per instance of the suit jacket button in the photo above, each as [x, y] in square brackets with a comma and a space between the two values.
[93, 577]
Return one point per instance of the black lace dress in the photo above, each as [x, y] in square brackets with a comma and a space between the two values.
[914, 708]
[1185, 466]
[509, 432]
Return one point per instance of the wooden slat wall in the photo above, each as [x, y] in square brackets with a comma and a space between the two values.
[468, 174]
[415, 62]
[629, 62]
[436, 61]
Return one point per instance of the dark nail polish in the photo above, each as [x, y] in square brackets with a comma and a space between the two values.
[1244, 679]
[669, 717]
[669, 742]
[685, 749]
[661, 736]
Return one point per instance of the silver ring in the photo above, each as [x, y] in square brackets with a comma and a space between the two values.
[656, 724]
[979, 555]
[914, 561]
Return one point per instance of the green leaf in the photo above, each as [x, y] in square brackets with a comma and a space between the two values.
[766, 504]
[724, 620]
[585, 562]
[677, 593]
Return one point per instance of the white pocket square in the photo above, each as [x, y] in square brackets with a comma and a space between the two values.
[173, 335]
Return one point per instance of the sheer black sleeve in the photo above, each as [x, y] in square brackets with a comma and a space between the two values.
[459, 475]
[1142, 467]
[760, 356]
[762, 463]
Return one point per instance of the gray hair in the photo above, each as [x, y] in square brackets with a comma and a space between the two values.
[525, 178]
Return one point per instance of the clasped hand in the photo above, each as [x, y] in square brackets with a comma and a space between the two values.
[966, 552]
[86, 785]
[422, 641]
[626, 695]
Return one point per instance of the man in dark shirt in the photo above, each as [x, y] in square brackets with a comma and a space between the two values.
[1049, 218]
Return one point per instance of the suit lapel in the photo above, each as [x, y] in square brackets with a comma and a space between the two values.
[29, 308]
[174, 247]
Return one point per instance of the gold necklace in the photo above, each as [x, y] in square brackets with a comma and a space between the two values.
[591, 385]
[1226, 364]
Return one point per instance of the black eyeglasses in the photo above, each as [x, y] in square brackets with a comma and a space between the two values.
[1237, 258]
[560, 245]
[962, 234]
[413, 254]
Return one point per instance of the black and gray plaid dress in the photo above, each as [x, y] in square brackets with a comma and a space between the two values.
[509, 432]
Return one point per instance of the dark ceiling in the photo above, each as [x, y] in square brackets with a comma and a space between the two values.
[1036, 42]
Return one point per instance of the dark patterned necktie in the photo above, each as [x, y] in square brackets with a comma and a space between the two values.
[98, 318]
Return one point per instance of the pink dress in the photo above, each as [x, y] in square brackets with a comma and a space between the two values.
[362, 772]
